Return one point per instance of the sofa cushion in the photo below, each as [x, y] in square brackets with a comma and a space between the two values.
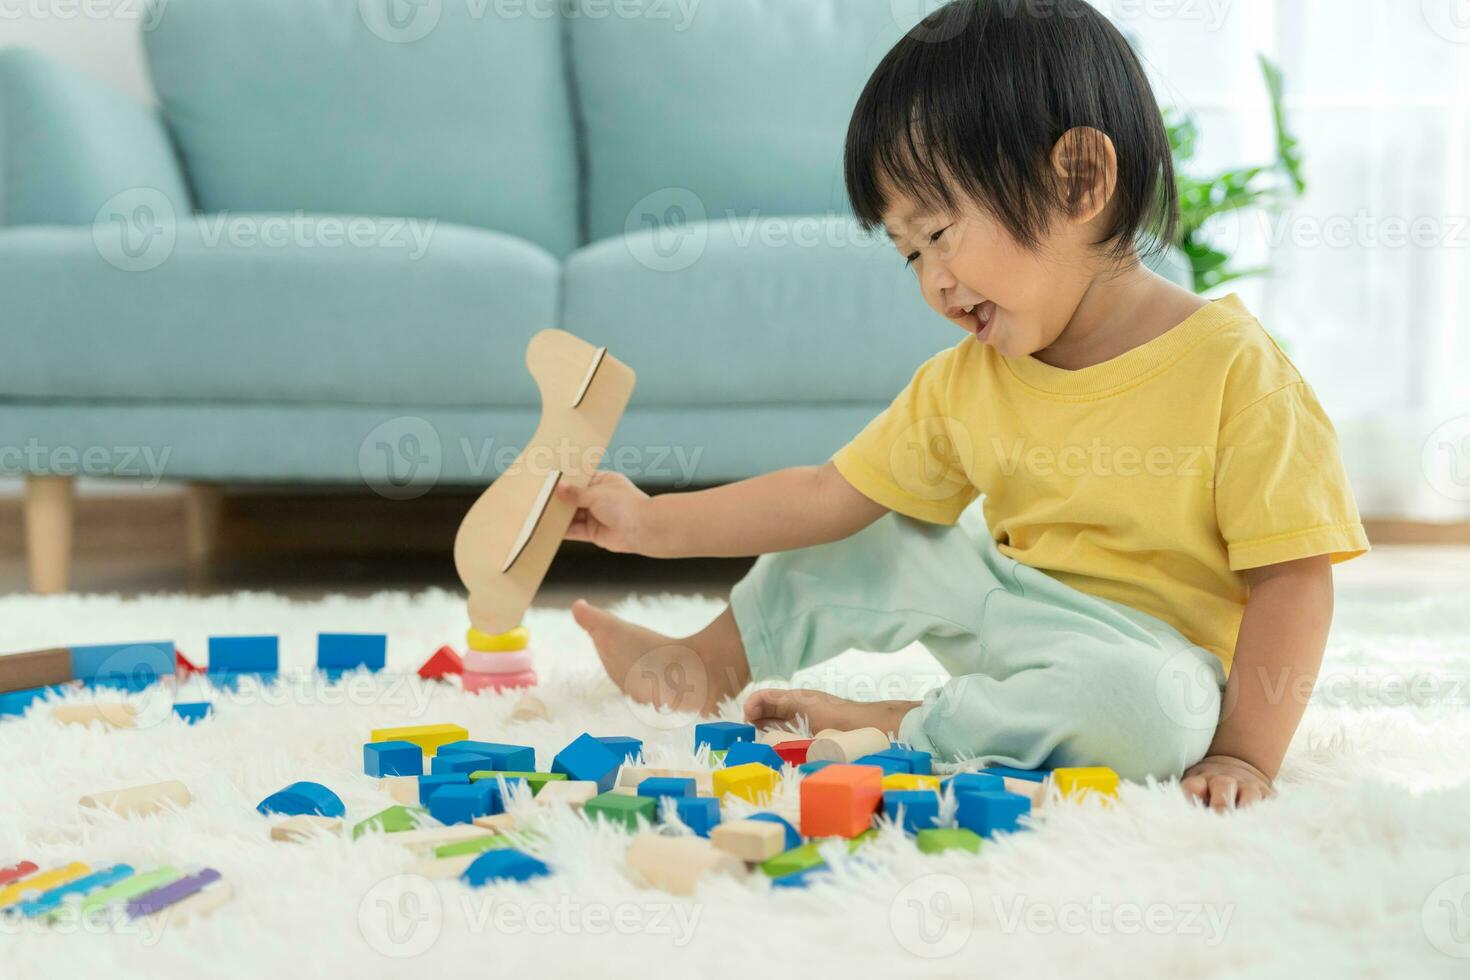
[275, 308]
[773, 310]
[743, 104]
[455, 111]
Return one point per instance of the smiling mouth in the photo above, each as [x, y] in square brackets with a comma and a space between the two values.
[975, 317]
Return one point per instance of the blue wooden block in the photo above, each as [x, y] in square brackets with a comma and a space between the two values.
[230, 679]
[243, 655]
[990, 813]
[465, 762]
[742, 752]
[919, 763]
[793, 836]
[588, 759]
[464, 802]
[392, 759]
[807, 768]
[722, 734]
[16, 702]
[887, 763]
[1033, 775]
[802, 878]
[125, 666]
[624, 745]
[913, 809]
[50, 900]
[506, 758]
[700, 814]
[349, 651]
[193, 711]
[429, 785]
[304, 797]
[666, 786]
[503, 864]
[975, 782]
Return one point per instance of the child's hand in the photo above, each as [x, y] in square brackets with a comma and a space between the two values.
[611, 513]
[1224, 782]
[770, 707]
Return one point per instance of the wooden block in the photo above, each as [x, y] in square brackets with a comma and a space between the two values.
[677, 864]
[937, 841]
[1080, 782]
[113, 714]
[846, 747]
[510, 535]
[426, 737]
[429, 838]
[750, 840]
[500, 823]
[198, 905]
[35, 668]
[304, 826]
[402, 789]
[1033, 791]
[751, 781]
[907, 781]
[17, 871]
[44, 881]
[140, 800]
[840, 800]
[530, 708]
[573, 793]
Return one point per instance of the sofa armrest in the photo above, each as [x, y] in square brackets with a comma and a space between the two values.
[68, 144]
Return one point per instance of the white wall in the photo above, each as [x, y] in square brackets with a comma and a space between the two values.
[102, 38]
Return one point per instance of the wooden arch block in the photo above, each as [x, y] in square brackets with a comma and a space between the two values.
[509, 537]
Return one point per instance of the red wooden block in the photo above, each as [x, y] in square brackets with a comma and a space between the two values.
[444, 662]
[183, 665]
[840, 800]
[793, 752]
[17, 872]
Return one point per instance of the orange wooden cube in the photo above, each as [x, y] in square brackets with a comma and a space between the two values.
[840, 800]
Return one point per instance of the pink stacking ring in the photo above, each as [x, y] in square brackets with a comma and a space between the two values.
[478, 662]
[497, 682]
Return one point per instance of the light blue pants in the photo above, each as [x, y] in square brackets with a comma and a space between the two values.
[1042, 674]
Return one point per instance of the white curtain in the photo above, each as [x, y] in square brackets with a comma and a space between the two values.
[1370, 283]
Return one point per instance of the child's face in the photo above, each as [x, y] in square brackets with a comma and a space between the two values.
[974, 274]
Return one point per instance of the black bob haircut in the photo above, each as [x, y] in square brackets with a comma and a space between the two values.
[972, 101]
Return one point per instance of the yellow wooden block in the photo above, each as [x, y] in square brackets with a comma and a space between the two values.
[517, 639]
[1079, 782]
[906, 780]
[426, 737]
[44, 881]
[752, 781]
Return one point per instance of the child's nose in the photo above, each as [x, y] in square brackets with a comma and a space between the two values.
[937, 278]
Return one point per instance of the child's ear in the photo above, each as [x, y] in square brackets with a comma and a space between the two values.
[1086, 165]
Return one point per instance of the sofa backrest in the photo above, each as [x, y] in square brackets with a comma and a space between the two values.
[721, 106]
[457, 110]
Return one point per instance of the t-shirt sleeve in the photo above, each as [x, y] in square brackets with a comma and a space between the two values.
[913, 457]
[1281, 490]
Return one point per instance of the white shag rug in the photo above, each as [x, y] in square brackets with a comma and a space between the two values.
[1361, 866]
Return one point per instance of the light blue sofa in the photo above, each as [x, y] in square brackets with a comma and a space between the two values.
[320, 259]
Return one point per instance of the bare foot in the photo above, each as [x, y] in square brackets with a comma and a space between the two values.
[692, 673]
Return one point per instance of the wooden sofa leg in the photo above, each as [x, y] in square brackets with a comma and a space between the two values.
[50, 505]
[203, 507]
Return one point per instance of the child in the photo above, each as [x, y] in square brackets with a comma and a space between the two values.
[1164, 494]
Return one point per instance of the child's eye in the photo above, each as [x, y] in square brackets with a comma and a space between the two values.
[911, 259]
[934, 238]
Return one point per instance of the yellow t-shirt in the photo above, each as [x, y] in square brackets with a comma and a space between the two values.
[1153, 479]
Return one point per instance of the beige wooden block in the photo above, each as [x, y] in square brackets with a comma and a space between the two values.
[774, 736]
[500, 823]
[571, 792]
[677, 864]
[140, 800]
[846, 746]
[402, 789]
[304, 826]
[115, 714]
[1029, 788]
[749, 840]
[530, 708]
[428, 838]
[197, 905]
[438, 869]
[632, 776]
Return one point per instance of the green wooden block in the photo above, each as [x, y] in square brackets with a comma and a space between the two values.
[717, 756]
[392, 820]
[535, 780]
[620, 808]
[937, 841]
[479, 845]
[124, 890]
[792, 861]
[861, 839]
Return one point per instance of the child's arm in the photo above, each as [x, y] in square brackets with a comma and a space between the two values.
[791, 508]
[1277, 655]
